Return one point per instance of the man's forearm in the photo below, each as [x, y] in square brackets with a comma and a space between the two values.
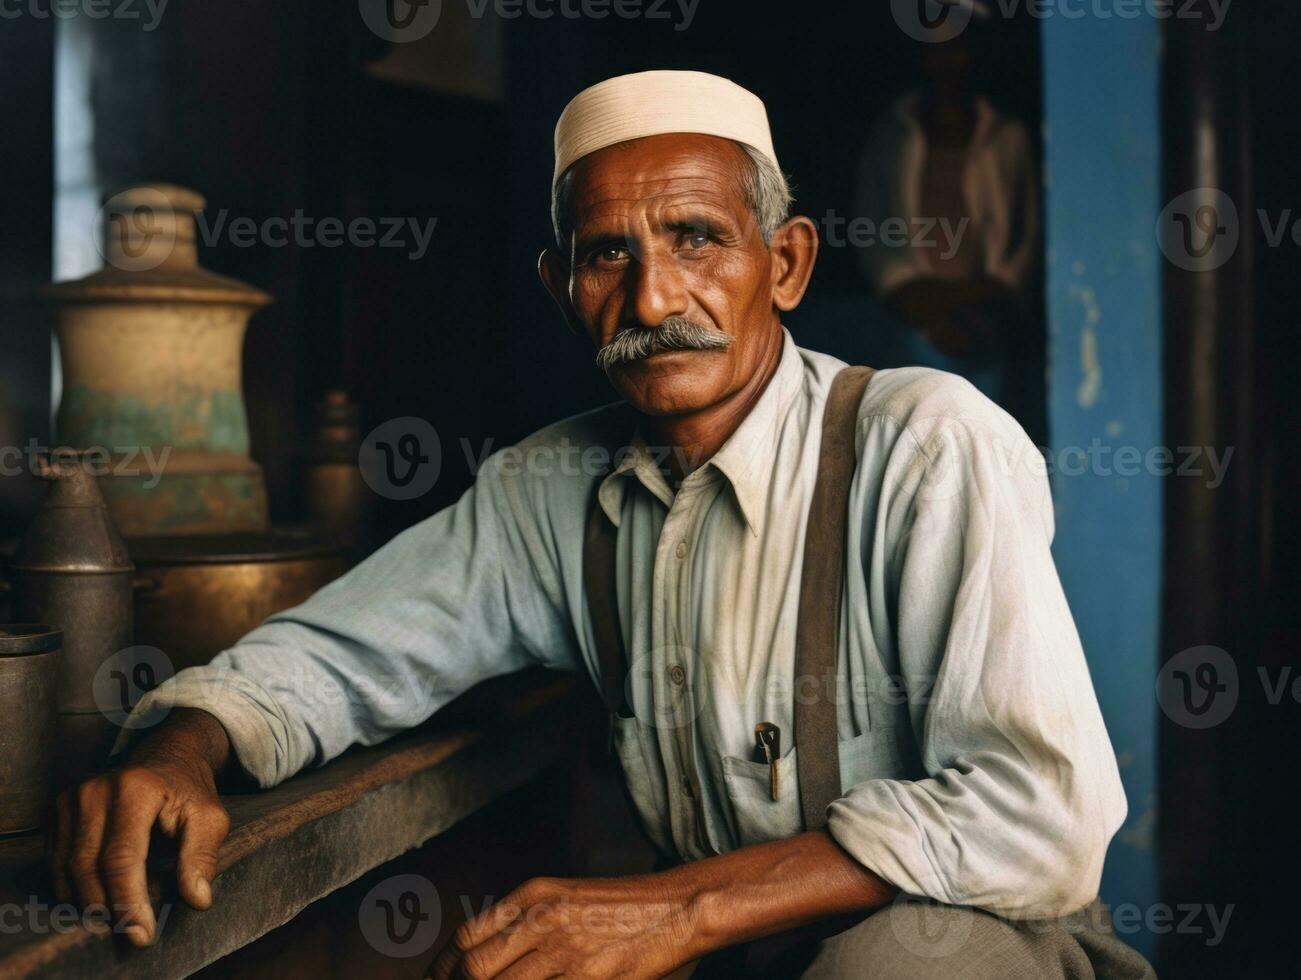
[768, 888]
[187, 735]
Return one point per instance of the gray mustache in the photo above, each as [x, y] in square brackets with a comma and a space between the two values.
[674, 333]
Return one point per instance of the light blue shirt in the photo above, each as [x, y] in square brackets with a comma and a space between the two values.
[976, 769]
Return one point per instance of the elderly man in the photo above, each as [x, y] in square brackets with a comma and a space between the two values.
[843, 681]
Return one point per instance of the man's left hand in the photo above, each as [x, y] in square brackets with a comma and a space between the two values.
[611, 927]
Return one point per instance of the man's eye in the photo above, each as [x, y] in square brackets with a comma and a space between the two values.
[613, 253]
[696, 239]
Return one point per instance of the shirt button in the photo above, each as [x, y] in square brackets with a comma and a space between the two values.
[682, 549]
[677, 674]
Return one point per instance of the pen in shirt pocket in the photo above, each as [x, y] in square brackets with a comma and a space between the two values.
[768, 750]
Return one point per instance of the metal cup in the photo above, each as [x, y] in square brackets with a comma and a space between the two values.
[29, 683]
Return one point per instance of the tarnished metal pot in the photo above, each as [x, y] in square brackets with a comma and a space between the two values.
[200, 595]
[72, 570]
[29, 677]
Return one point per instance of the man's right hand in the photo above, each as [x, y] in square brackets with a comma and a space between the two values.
[101, 840]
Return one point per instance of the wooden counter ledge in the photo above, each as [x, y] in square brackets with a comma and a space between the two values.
[291, 845]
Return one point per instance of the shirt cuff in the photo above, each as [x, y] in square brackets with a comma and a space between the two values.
[961, 853]
[873, 824]
[264, 740]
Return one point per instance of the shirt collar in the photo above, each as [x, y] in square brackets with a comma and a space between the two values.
[746, 459]
[638, 460]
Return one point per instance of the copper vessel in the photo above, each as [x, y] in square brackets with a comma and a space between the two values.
[199, 595]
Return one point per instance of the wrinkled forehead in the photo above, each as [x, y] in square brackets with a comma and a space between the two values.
[647, 176]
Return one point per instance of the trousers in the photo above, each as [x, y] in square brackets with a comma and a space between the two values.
[915, 939]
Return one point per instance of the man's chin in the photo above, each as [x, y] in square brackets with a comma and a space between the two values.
[669, 383]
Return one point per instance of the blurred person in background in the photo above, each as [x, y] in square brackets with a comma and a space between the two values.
[961, 177]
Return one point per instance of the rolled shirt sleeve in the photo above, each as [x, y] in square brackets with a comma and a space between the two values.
[1022, 792]
[471, 593]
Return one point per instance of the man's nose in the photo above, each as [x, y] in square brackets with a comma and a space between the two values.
[657, 289]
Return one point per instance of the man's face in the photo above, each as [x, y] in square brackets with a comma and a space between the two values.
[662, 228]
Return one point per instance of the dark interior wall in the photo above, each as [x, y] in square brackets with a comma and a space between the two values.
[1232, 567]
[26, 250]
[1275, 571]
[1275, 133]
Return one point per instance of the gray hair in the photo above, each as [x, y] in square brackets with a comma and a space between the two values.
[766, 191]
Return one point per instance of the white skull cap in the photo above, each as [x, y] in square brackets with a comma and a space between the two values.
[649, 103]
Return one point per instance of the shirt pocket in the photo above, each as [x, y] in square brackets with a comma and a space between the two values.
[643, 779]
[759, 818]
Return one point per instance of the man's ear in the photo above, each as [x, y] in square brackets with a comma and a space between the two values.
[794, 249]
[554, 273]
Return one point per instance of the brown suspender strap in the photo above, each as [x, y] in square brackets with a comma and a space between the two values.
[817, 638]
[599, 544]
[817, 633]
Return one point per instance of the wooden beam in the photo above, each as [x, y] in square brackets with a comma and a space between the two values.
[294, 844]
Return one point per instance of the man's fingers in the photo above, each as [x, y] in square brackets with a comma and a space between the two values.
[126, 845]
[533, 966]
[60, 848]
[500, 953]
[449, 965]
[202, 829]
[487, 924]
[446, 963]
[89, 818]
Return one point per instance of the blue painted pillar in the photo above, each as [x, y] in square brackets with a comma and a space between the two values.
[1102, 157]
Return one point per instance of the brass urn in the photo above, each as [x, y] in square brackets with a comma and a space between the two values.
[151, 348]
